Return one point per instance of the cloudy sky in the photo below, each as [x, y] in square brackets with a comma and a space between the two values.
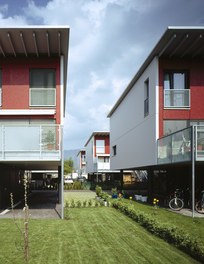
[109, 41]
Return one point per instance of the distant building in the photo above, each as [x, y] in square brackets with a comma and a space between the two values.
[81, 163]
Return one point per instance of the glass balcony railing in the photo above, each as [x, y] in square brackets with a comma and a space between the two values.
[177, 147]
[176, 98]
[30, 142]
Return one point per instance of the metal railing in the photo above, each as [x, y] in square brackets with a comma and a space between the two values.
[176, 98]
[30, 142]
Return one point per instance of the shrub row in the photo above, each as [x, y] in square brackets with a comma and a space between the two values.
[85, 203]
[169, 233]
[77, 185]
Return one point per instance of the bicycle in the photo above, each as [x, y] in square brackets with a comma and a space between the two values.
[177, 203]
[200, 204]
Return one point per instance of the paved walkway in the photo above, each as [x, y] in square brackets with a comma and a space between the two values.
[42, 204]
[187, 212]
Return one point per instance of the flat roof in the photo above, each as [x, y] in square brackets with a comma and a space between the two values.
[36, 41]
[176, 42]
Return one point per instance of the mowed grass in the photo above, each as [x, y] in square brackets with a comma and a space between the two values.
[91, 235]
[79, 195]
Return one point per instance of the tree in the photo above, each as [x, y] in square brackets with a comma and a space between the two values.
[68, 166]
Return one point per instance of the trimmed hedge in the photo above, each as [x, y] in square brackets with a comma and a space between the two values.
[169, 233]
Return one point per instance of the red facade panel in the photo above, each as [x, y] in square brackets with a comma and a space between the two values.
[195, 68]
[15, 82]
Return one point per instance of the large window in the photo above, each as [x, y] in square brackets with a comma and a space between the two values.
[100, 146]
[176, 89]
[42, 87]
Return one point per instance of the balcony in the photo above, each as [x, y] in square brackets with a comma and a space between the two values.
[101, 163]
[177, 147]
[176, 98]
[30, 142]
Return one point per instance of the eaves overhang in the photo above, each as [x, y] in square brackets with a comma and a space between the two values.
[36, 41]
[176, 42]
[97, 133]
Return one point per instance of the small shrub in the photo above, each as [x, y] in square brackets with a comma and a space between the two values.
[72, 203]
[84, 203]
[66, 214]
[96, 203]
[78, 204]
[98, 190]
[90, 202]
[66, 204]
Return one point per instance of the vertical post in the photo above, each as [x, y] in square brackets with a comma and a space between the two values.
[193, 149]
[62, 175]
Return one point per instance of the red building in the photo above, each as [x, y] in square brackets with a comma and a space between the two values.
[33, 77]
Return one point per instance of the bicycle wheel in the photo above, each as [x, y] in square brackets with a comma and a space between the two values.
[199, 208]
[176, 204]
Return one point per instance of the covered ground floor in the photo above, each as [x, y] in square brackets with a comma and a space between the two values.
[42, 204]
[41, 175]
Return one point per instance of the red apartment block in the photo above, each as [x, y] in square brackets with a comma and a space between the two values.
[33, 77]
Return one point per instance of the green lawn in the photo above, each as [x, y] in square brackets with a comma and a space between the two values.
[79, 195]
[91, 235]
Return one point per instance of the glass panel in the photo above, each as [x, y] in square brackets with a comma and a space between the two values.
[171, 126]
[177, 98]
[28, 138]
[175, 147]
[166, 81]
[164, 150]
[49, 137]
[179, 80]
[42, 97]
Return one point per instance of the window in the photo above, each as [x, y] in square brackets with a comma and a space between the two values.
[100, 146]
[42, 87]
[176, 89]
[146, 97]
[114, 150]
